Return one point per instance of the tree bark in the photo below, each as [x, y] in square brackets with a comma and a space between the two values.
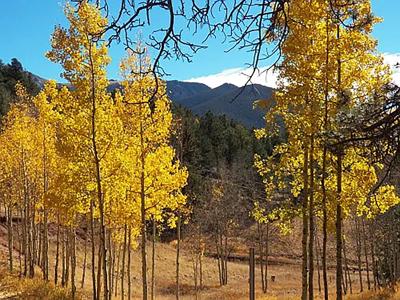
[304, 271]
[93, 252]
[261, 255]
[20, 243]
[347, 272]
[123, 264]
[371, 242]
[10, 237]
[226, 260]
[73, 263]
[67, 241]
[45, 256]
[317, 252]
[99, 269]
[111, 254]
[96, 157]
[366, 253]
[153, 260]
[143, 212]
[84, 257]
[312, 226]
[129, 263]
[266, 258]
[339, 272]
[358, 242]
[45, 245]
[57, 251]
[324, 161]
[178, 248]
[117, 274]
[63, 258]
[340, 153]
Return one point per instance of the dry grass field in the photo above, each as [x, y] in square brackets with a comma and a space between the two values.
[286, 271]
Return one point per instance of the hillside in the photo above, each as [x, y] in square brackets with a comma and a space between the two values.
[230, 100]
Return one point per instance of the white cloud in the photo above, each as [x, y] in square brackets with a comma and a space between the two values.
[238, 77]
[393, 60]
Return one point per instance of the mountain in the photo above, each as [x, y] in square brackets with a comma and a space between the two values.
[228, 99]
[37, 79]
[232, 101]
[180, 90]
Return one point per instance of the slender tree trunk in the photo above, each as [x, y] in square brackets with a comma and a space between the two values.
[129, 263]
[374, 270]
[57, 251]
[261, 255]
[63, 259]
[39, 250]
[45, 256]
[324, 223]
[226, 260]
[143, 212]
[25, 239]
[115, 265]
[344, 286]
[366, 253]
[84, 257]
[195, 273]
[345, 282]
[123, 264]
[31, 241]
[25, 230]
[317, 252]
[100, 199]
[110, 263]
[178, 249]
[304, 272]
[219, 257]
[20, 246]
[93, 246]
[339, 272]
[143, 245]
[67, 255]
[312, 226]
[73, 262]
[99, 269]
[347, 272]
[10, 237]
[118, 270]
[201, 266]
[153, 260]
[379, 263]
[33, 249]
[324, 161]
[266, 258]
[358, 242]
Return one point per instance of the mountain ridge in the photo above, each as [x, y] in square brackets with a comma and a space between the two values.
[227, 99]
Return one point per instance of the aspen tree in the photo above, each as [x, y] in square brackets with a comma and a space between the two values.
[86, 120]
[314, 92]
[154, 176]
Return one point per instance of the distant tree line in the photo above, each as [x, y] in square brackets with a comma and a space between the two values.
[10, 74]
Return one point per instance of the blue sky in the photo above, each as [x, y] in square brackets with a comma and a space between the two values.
[26, 26]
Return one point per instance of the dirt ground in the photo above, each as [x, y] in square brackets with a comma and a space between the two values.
[285, 270]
